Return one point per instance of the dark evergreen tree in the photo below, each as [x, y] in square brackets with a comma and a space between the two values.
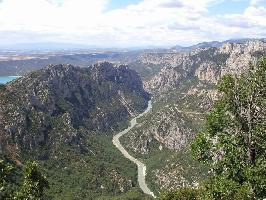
[32, 186]
[6, 185]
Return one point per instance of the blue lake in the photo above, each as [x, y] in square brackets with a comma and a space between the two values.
[6, 79]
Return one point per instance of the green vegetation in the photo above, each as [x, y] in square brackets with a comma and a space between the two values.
[233, 141]
[166, 168]
[64, 105]
[182, 194]
[99, 170]
[178, 97]
[168, 163]
[64, 118]
[132, 194]
[30, 185]
[209, 54]
[170, 169]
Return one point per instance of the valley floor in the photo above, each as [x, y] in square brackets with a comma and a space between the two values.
[141, 166]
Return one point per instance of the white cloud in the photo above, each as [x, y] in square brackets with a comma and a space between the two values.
[41, 15]
[256, 2]
[151, 22]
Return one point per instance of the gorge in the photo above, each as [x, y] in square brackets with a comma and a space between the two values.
[67, 117]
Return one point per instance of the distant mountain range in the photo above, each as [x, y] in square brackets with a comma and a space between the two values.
[203, 45]
[58, 46]
[46, 46]
[52, 46]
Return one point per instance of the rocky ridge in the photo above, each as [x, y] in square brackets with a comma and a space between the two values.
[207, 64]
[193, 76]
[76, 97]
[63, 117]
[183, 92]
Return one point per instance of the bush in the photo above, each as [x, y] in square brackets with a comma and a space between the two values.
[181, 194]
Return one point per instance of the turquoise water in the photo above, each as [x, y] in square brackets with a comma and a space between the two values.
[6, 79]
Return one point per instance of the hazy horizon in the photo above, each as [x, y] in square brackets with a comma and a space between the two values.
[77, 46]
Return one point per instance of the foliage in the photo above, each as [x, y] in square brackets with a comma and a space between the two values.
[6, 188]
[133, 194]
[31, 187]
[34, 183]
[162, 160]
[181, 194]
[89, 171]
[64, 118]
[140, 141]
[233, 142]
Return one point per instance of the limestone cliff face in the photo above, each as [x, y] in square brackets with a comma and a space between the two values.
[208, 72]
[65, 98]
[183, 92]
[167, 78]
[187, 83]
[206, 65]
[168, 126]
[241, 55]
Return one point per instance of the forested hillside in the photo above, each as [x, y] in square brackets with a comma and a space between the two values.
[64, 118]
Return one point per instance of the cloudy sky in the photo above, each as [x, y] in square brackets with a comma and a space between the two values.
[130, 23]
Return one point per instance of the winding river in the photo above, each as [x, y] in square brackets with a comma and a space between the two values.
[141, 166]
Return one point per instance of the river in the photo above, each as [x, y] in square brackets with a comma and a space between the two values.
[141, 166]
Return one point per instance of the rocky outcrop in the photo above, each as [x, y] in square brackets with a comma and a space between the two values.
[241, 55]
[206, 65]
[184, 91]
[208, 72]
[167, 78]
[65, 98]
[185, 87]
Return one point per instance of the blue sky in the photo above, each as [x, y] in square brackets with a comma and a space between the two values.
[118, 4]
[226, 7]
[221, 7]
[128, 23]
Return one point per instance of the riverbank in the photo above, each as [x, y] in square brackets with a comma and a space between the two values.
[141, 166]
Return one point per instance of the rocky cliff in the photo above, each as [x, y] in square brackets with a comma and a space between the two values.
[64, 116]
[183, 92]
[187, 82]
[204, 64]
[98, 98]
